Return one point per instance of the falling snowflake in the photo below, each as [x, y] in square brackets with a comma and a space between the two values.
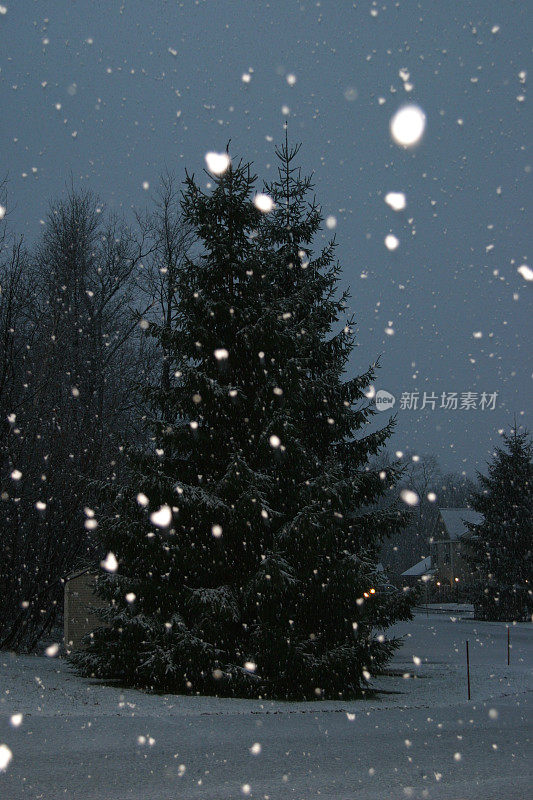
[391, 241]
[263, 202]
[162, 517]
[217, 163]
[5, 757]
[110, 564]
[407, 126]
[396, 200]
[409, 497]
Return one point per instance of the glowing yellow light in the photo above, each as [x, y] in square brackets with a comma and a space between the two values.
[365, 594]
[372, 591]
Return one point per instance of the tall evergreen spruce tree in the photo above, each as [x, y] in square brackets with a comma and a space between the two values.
[501, 546]
[247, 561]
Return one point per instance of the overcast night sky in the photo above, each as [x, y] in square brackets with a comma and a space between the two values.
[111, 93]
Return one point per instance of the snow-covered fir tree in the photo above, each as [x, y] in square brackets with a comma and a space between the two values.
[501, 546]
[246, 544]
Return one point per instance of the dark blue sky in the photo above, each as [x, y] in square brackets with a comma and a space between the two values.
[112, 92]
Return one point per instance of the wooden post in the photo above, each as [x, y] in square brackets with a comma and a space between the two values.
[508, 646]
[468, 669]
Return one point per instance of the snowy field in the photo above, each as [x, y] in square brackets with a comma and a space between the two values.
[418, 738]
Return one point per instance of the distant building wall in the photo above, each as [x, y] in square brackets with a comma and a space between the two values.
[448, 559]
[451, 564]
[449, 546]
[80, 598]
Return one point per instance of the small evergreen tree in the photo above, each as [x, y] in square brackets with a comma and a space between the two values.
[247, 565]
[500, 547]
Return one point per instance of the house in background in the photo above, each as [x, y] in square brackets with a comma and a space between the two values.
[422, 571]
[447, 547]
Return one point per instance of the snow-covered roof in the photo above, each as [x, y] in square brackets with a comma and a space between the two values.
[454, 520]
[422, 568]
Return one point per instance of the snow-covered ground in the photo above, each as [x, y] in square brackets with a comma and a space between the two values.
[419, 738]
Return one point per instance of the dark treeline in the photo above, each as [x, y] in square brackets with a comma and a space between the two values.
[72, 351]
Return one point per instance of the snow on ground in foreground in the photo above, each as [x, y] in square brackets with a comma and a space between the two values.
[418, 738]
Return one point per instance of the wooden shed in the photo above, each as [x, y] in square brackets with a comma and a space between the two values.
[80, 601]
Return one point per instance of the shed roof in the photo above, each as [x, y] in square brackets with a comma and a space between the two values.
[79, 572]
[454, 520]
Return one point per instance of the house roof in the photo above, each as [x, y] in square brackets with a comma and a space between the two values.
[422, 568]
[454, 520]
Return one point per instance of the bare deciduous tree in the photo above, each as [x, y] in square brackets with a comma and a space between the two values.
[67, 318]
